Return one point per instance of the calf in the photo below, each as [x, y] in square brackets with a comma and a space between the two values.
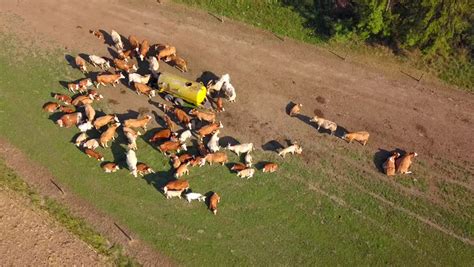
[99, 62]
[184, 136]
[270, 167]
[153, 66]
[169, 123]
[389, 165]
[219, 105]
[184, 158]
[203, 116]
[197, 161]
[97, 34]
[295, 148]
[242, 148]
[117, 40]
[326, 124]
[124, 66]
[73, 87]
[175, 161]
[248, 160]
[63, 98]
[125, 55]
[361, 137]
[218, 157]
[178, 62]
[179, 184]
[104, 120]
[81, 64]
[182, 117]
[144, 169]
[68, 120]
[295, 110]
[132, 137]
[134, 44]
[141, 88]
[246, 173]
[132, 162]
[51, 106]
[137, 78]
[173, 193]
[106, 79]
[80, 139]
[84, 84]
[110, 167]
[65, 109]
[403, 163]
[182, 170]
[144, 48]
[90, 113]
[109, 134]
[209, 129]
[171, 146]
[84, 127]
[213, 143]
[82, 100]
[165, 51]
[91, 144]
[93, 94]
[238, 167]
[229, 91]
[213, 200]
[216, 86]
[138, 123]
[194, 196]
[94, 154]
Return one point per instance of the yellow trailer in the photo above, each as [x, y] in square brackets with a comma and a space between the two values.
[192, 92]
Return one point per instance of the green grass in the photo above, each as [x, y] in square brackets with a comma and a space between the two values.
[284, 20]
[60, 213]
[324, 214]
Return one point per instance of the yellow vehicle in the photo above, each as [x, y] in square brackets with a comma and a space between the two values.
[192, 92]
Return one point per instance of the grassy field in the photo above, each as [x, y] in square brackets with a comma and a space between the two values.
[311, 215]
[285, 20]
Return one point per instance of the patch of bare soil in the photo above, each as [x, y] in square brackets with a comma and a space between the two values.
[45, 183]
[29, 237]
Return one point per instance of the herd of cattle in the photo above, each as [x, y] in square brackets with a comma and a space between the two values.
[78, 111]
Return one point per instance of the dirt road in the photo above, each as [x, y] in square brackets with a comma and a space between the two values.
[31, 237]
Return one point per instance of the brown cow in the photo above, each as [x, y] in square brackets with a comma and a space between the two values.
[176, 185]
[134, 44]
[94, 154]
[218, 157]
[81, 64]
[404, 163]
[144, 47]
[105, 79]
[203, 116]
[182, 117]
[389, 165]
[169, 146]
[270, 167]
[137, 123]
[209, 129]
[109, 134]
[68, 120]
[51, 106]
[63, 98]
[213, 200]
[141, 88]
[104, 120]
[144, 169]
[160, 135]
[169, 123]
[177, 62]
[110, 167]
[123, 65]
[165, 51]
